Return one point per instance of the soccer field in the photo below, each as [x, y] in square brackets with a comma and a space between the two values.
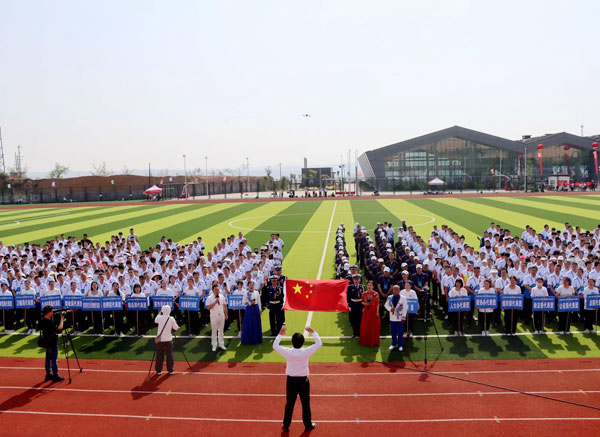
[308, 228]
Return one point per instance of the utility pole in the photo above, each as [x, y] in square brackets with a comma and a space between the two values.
[525, 168]
[149, 184]
[2, 162]
[248, 176]
[206, 176]
[19, 162]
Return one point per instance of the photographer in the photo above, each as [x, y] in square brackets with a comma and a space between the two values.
[49, 340]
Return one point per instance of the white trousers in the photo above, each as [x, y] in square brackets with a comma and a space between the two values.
[217, 323]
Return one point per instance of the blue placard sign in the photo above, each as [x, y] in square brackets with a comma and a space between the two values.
[137, 303]
[456, 304]
[112, 303]
[73, 302]
[159, 301]
[413, 306]
[486, 301]
[189, 303]
[6, 303]
[234, 302]
[511, 301]
[24, 301]
[592, 302]
[566, 304]
[54, 301]
[543, 303]
[91, 304]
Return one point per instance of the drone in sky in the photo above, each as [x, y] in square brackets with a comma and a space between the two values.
[305, 115]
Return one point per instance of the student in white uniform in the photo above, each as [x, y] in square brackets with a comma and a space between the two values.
[538, 316]
[564, 318]
[408, 293]
[511, 316]
[485, 314]
[458, 317]
[216, 303]
[397, 305]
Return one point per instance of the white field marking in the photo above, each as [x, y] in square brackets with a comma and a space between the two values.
[231, 223]
[354, 421]
[354, 374]
[320, 272]
[18, 222]
[323, 337]
[279, 395]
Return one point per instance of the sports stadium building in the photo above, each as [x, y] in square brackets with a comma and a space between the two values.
[470, 159]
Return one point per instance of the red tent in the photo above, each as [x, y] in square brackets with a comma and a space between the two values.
[153, 190]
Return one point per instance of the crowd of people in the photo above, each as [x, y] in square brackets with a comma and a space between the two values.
[67, 267]
[399, 266]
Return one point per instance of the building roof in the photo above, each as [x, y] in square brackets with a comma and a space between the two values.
[561, 139]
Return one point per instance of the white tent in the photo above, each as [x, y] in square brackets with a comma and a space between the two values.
[153, 190]
[436, 181]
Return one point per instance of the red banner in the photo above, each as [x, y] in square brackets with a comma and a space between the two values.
[309, 295]
[596, 162]
[541, 165]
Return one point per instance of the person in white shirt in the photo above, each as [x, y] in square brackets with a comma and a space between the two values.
[164, 340]
[397, 305]
[589, 315]
[564, 318]
[408, 293]
[297, 375]
[216, 303]
[485, 316]
[9, 315]
[538, 316]
[511, 316]
[458, 291]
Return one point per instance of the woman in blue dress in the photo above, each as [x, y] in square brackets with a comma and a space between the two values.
[252, 326]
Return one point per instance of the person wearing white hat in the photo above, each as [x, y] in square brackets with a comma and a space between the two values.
[397, 306]
[164, 339]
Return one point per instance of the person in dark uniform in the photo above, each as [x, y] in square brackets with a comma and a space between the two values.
[355, 291]
[282, 279]
[274, 293]
[49, 340]
[420, 283]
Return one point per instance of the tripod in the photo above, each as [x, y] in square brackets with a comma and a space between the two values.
[427, 317]
[66, 341]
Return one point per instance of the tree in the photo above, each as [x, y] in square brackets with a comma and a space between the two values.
[101, 170]
[58, 171]
[268, 172]
[126, 170]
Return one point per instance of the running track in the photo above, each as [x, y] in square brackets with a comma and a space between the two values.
[347, 399]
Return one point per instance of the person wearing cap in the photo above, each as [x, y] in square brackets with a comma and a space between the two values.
[384, 285]
[354, 295]
[370, 326]
[49, 340]
[420, 283]
[397, 305]
[274, 296]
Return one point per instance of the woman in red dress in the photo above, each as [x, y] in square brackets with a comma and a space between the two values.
[370, 326]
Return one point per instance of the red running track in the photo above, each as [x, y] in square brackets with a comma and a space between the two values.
[347, 398]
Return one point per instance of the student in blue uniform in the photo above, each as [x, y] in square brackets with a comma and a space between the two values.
[275, 302]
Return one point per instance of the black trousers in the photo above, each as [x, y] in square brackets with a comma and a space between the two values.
[294, 387]
[511, 318]
[589, 319]
[538, 320]
[7, 319]
[162, 348]
[275, 318]
[355, 317]
[485, 320]
[564, 321]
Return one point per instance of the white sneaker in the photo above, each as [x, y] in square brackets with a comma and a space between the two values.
[214, 349]
[392, 347]
[121, 335]
[400, 348]
[587, 331]
[8, 331]
[456, 333]
[223, 348]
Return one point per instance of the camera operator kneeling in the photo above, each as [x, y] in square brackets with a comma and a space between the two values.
[49, 340]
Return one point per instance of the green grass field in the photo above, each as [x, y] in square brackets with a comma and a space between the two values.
[303, 226]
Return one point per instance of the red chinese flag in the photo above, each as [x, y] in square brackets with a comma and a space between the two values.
[309, 295]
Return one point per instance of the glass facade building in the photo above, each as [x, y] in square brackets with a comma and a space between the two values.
[464, 158]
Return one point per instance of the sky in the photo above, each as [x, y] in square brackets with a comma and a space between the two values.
[136, 82]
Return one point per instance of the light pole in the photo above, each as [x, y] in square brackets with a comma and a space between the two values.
[185, 178]
[206, 175]
[525, 168]
[248, 176]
